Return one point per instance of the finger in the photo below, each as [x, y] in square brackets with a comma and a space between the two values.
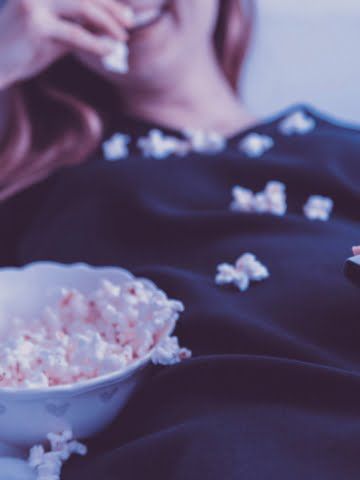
[356, 250]
[76, 37]
[102, 20]
[121, 12]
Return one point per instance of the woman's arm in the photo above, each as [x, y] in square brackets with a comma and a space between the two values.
[34, 34]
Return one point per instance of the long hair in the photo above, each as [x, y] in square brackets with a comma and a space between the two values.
[60, 117]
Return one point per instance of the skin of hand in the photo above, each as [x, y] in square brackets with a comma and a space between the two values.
[356, 250]
[34, 34]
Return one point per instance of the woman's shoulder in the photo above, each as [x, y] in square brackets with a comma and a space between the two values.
[302, 130]
[305, 128]
[327, 120]
[305, 118]
[303, 122]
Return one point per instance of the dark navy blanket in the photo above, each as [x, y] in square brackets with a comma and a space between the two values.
[273, 389]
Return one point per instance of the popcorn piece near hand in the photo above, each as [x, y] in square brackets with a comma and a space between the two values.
[318, 207]
[116, 147]
[297, 123]
[160, 146]
[117, 60]
[255, 145]
[247, 268]
[168, 352]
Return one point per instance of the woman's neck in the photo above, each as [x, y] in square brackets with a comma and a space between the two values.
[198, 98]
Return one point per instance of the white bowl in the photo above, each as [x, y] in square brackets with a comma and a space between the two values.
[28, 415]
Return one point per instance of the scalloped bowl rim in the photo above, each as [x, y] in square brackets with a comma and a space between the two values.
[78, 388]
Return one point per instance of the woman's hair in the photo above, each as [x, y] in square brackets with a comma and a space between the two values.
[60, 117]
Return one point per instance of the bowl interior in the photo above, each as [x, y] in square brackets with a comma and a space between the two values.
[24, 292]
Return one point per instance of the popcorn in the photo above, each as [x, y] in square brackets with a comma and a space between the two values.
[252, 267]
[318, 208]
[243, 200]
[116, 147]
[168, 352]
[160, 146]
[38, 380]
[48, 465]
[272, 200]
[58, 440]
[50, 468]
[297, 123]
[247, 268]
[117, 60]
[36, 456]
[227, 274]
[255, 145]
[205, 142]
[85, 336]
[157, 145]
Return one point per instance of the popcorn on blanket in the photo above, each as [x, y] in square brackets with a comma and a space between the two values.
[48, 465]
[318, 207]
[272, 200]
[246, 269]
[255, 145]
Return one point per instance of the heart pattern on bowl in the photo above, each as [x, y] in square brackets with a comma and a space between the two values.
[57, 410]
[108, 394]
[2, 409]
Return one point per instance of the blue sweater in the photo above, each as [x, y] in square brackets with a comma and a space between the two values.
[273, 389]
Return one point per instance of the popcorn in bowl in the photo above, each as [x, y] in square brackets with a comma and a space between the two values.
[72, 357]
[85, 336]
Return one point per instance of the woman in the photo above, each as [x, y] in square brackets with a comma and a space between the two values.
[273, 389]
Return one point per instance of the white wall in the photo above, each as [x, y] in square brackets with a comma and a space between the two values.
[306, 51]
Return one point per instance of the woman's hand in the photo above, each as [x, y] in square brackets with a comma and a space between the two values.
[356, 250]
[35, 33]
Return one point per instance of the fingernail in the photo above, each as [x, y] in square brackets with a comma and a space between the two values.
[129, 15]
